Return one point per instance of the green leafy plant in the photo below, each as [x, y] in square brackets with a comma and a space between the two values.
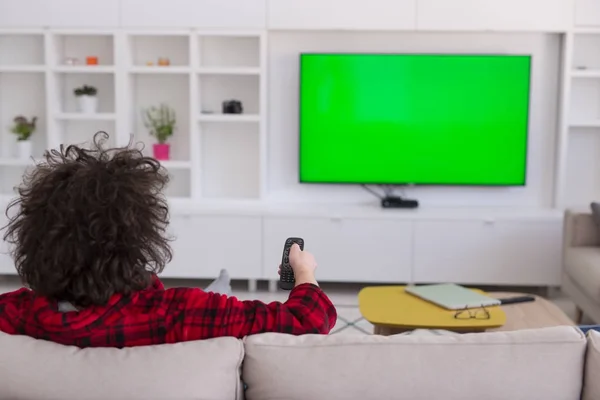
[23, 128]
[85, 90]
[160, 121]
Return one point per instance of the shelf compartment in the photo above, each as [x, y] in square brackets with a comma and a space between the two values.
[229, 51]
[585, 101]
[179, 185]
[21, 49]
[66, 84]
[145, 49]
[583, 167]
[214, 89]
[86, 117]
[230, 160]
[229, 118]
[585, 51]
[81, 132]
[27, 94]
[81, 46]
[11, 176]
[149, 90]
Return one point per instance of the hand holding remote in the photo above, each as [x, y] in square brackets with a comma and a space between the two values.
[304, 264]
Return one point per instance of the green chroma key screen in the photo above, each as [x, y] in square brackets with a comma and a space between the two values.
[414, 119]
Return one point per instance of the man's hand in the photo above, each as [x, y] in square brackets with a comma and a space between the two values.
[303, 264]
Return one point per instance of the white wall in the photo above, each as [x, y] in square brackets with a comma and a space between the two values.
[284, 48]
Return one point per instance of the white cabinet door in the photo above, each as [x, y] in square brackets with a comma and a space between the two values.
[59, 13]
[234, 14]
[205, 244]
[342, 14]
[347, 250]
[456, 251]
[503, 15]
[531, 252]
[587, 13]
[503, 252]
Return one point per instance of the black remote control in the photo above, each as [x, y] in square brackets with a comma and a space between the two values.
[287, 280]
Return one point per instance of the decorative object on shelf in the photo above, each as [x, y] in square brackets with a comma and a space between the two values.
[232, 107]
[87, 100]
[164, 62]
[91, 60]
[160, 121]
[149, 63]
[24, 128]
[71, 61]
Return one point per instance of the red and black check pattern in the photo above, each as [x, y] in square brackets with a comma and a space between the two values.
[156, 316]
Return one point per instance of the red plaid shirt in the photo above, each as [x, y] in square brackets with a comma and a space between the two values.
[156, 316]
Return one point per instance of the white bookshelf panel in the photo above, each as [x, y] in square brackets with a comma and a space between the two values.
[230, 160]
[22, 94]
[77, 48]
[146, 50]
[583, 167]
[66, 83]
[179, 183]
[82, 132]
[229, 51]
[586, 52]
[150, 90]
[21, 49]
[585, 101]
[214, 89]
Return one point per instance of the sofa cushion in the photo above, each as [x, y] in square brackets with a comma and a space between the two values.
[591, 390]
[35, 369]
[521, 365]
[582, 264]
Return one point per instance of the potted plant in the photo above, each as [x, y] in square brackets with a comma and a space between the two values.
[87, 100]
[160, 121]
[23, 128]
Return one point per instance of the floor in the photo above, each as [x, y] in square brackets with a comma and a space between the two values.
[344, 296]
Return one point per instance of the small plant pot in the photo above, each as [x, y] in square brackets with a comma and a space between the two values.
[161, 151]
[87, 104]
[24, 149]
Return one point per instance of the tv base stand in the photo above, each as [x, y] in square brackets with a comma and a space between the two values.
[398, 202]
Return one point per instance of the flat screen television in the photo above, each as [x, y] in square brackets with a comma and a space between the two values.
[422, 119]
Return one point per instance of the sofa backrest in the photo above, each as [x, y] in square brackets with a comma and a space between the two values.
[522, 365]
[591, 389]
[39, 370]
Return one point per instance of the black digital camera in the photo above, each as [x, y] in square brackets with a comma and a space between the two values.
[232, 107]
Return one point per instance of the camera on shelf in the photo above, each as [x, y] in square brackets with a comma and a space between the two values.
[232, 107]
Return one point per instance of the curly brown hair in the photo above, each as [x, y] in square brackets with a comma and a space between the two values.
[90, 223]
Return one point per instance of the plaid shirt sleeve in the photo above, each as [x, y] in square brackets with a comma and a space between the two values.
[208, 315]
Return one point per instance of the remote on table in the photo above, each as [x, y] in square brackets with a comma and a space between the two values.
[287, 280]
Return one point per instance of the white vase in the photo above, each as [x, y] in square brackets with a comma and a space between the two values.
[87, 104]
[24, 151]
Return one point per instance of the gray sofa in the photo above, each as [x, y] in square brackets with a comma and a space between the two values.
[581, 273]
[547, 364]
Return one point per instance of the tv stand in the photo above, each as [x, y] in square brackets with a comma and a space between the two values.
[398, 202]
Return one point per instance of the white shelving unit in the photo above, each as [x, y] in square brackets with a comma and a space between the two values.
[578, 162]
[213, 155]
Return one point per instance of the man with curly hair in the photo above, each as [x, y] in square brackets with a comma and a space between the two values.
[88, 236]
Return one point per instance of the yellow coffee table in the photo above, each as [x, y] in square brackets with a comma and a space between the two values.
[391, 307]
